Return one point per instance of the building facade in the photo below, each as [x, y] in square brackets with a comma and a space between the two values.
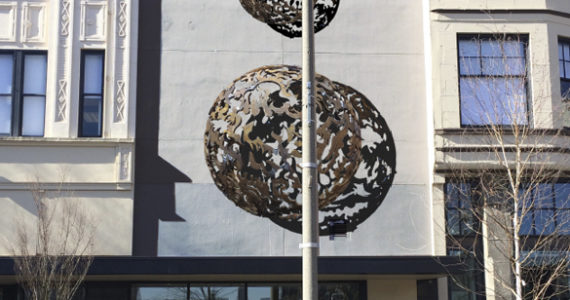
[200, 200]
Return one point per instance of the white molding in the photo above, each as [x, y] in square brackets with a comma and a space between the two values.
[65, 17]
[27, 22]
[11, 8]
[120, 102]
[68, 142]
[122, 20]
[124, 163]
[61, 101]
[99, 23]
[72, 186]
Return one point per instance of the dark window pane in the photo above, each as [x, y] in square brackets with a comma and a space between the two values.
[93, 72]
[107, 293]
[468, 284]
[491, 48]
[35, 70]
[224, 293]
[494, 66]
[6, 69]
[562, 192]
[199, 293]
[565, 88]
[339, 291]
[543, 196]
[92, 116]
[513, 48]
[161, 293]
[260, 292]
[453, 222]
[526, 223]
[33, 115]
[469, 66]
[467, 222]
[544, 221]
[563, 222]
[469, 48]
[5, 114]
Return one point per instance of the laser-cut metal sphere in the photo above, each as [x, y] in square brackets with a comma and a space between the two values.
[370, 184]
[253, 141]
[285, 16]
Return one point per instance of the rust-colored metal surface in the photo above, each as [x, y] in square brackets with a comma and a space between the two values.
[284, 16]
[253, 141]
[253, 148]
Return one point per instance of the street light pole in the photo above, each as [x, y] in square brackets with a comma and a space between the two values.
[310, 186]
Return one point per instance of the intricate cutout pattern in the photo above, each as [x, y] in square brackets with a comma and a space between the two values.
[285, 16]
[374, 177]
[253, 141]
[253, 148]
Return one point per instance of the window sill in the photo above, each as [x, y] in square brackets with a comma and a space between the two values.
[51, 141]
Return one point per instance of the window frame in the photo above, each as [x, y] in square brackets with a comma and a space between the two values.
[17, 95]
[82, 94]
[465, 239]
[557, 212]
[566, 78]
[523, 38]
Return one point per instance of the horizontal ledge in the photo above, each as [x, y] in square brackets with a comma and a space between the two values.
[508, 149]
[501, 11]
[364, 265]
[72, 142]
[67, 186]
[507, 131]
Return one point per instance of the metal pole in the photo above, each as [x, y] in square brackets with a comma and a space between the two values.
[310, 186]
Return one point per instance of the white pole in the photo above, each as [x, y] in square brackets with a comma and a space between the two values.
[310, 210]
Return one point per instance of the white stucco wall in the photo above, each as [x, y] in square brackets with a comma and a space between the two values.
[373, 46]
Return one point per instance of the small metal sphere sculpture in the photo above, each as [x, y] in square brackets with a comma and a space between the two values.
[285, 16]
[253, 142]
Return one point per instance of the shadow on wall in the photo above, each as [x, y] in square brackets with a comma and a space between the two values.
[155, 178]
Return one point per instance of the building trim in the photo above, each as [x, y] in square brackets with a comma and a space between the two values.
[437, 266]
[505, 131]
[493, 149]
[502, 11]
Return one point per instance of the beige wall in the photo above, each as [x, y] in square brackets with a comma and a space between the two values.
[404, 289]
[96, 172]
[543, 31]
[107, 214]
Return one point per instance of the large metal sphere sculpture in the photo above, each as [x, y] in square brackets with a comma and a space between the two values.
[253, 142]
[374, 177]
[285, 16]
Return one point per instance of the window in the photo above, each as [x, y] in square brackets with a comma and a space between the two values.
[546, 209]
[464, 240]
[248, 291]
[564, 64]
[22, 93]
[91, 93]
[492, 80]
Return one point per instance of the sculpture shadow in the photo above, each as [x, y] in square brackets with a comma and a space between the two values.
[155, 178]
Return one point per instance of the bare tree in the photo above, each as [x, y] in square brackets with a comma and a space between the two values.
[51, 259]
[507, 206]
